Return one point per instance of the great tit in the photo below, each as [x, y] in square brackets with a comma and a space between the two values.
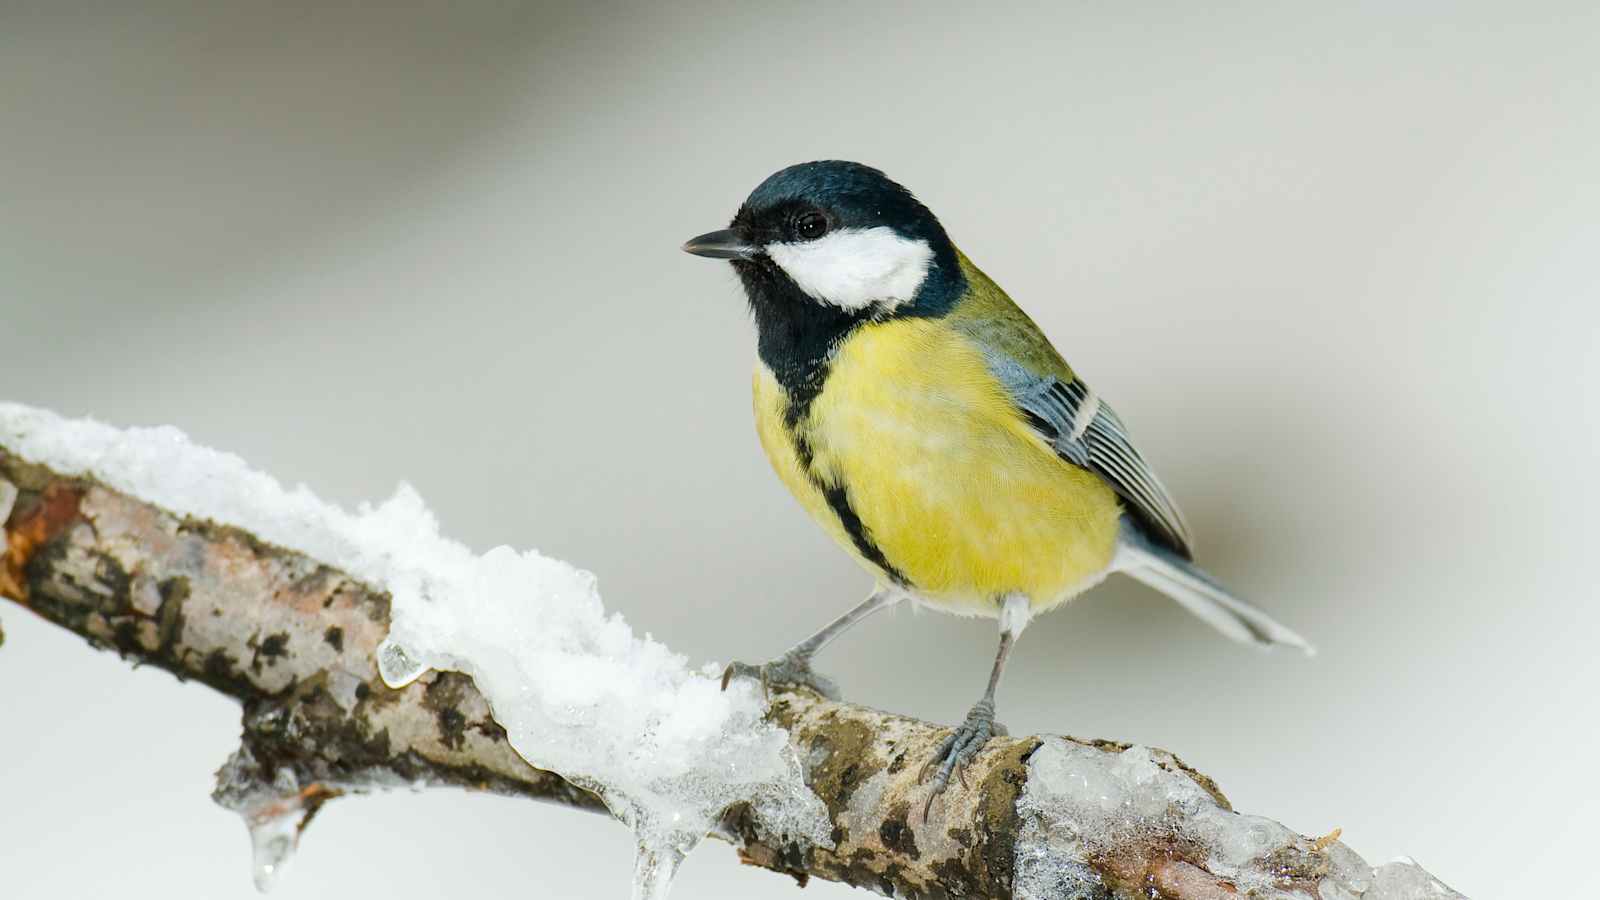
[928, 425]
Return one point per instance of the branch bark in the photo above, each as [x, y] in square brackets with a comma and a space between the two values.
[294, 642]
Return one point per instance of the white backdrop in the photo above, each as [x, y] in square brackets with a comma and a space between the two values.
[1335, 268]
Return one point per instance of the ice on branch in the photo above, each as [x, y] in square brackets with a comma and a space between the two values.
[577, 691]
[1083, 807]
[8, 496]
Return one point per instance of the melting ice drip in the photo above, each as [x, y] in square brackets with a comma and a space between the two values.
[577, 691]
[273, 810]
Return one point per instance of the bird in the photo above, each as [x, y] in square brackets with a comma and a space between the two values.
[930, 427]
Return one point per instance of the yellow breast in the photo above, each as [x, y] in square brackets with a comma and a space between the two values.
[951, 486]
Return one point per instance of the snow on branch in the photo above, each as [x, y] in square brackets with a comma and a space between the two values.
[370, 652]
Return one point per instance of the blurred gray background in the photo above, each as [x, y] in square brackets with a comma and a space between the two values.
[1336, 268]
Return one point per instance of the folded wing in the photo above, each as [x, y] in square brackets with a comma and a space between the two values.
[1086, 432]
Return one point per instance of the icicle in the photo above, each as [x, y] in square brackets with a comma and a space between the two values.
[274, 809]
[654, 867]
[274, 835]
[398, 667]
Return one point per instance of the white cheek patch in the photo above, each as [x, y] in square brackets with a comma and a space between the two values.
[854, 268]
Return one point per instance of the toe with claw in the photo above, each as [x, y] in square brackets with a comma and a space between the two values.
[958, 749]
[787, 669]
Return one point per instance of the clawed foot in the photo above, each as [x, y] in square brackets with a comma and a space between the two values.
[787, 669]
[959, 748]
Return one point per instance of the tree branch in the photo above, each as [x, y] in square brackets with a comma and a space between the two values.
[295, 641]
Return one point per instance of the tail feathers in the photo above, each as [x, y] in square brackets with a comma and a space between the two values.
[1211, 602]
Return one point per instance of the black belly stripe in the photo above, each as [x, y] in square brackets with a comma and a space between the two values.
[838, 499]
[800, 398]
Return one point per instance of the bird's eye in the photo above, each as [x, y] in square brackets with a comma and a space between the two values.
[811, 225]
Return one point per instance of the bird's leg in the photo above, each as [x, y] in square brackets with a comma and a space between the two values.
[962, 744]
[794, 667]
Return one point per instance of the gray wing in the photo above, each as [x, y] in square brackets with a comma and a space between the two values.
[1086, 432]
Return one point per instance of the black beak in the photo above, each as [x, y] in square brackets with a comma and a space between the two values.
[723, 244]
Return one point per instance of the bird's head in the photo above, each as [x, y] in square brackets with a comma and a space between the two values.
[840, 240]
